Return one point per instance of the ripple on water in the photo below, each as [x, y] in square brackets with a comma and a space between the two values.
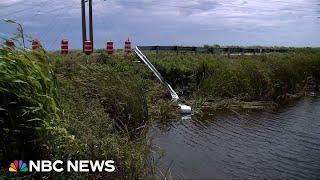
[273, 145]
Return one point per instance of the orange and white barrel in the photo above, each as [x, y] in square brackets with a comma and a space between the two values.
[109, 47]
[127, 46]
[88, 47]
[64, 46]
[35, 44]
[10, 43]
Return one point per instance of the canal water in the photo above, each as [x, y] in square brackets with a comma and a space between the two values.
[282, 144]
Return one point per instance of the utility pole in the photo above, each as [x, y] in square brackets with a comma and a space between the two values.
[84, 24]
[84, 28]
[90, 22]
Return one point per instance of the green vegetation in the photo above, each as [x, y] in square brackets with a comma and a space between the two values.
[96, 107]
[268, 77]
[72, 107]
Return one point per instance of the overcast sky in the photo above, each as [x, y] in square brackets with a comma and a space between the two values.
[169, 22]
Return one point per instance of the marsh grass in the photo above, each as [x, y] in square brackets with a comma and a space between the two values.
[266, 77]
[29, 110]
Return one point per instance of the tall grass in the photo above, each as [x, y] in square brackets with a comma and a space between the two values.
[27, 99]
[104, 103]
[71, 107]
[265, 77]
[118, 92]
[29, 110]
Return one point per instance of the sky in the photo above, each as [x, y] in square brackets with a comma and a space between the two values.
[168, 22]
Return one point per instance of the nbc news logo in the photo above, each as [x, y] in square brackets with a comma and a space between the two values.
[18, 166]
[58, 166]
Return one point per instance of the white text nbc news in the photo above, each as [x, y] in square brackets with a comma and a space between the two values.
[71, 166]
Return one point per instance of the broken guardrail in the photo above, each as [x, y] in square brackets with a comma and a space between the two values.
[184, 109]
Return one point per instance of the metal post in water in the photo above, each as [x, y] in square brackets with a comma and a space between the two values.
[184, 109]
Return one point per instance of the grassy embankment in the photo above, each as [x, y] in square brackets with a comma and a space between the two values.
[72, 107]
[86, 107]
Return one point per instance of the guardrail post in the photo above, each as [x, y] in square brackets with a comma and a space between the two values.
[228, 52]
[157, 49]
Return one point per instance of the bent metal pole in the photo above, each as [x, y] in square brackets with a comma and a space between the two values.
[184, 109]
[174, 95]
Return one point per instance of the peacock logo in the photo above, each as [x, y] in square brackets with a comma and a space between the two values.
[18, 166]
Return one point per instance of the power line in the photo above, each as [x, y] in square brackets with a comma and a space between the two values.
[55, 22]
[42, 12]
[134, 4]
[109, 20]
[15, 4]
[59, 36]
[62, 32]
[22, 10]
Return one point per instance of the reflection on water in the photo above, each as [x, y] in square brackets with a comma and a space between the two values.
[276, 145]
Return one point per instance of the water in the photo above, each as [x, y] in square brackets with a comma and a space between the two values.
[265, 145]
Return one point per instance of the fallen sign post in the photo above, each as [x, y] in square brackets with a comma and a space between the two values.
[184, 109]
